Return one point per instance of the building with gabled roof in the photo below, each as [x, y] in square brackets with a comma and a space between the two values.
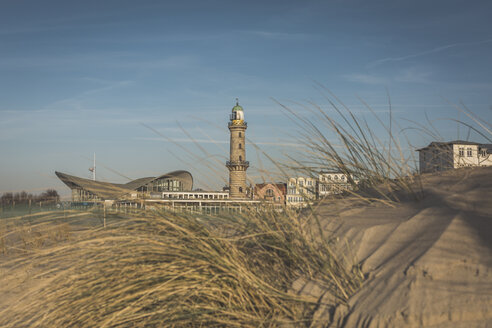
[270, 192]
[441, 156]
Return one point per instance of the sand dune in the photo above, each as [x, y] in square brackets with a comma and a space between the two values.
[428, 263]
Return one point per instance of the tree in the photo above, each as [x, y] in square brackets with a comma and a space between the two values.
[50, 195]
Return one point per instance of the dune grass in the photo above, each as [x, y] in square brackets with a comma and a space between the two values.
[337, 140]
[178, 270]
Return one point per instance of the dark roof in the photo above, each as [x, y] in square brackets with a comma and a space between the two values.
[462, 142]
[488, 147]
[449, 143]
[282, 187]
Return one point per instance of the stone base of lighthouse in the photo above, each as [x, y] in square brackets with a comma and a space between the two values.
[237, 183]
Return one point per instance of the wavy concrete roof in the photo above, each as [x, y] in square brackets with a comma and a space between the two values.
[184, 176]
[107, 190]
[104, 190]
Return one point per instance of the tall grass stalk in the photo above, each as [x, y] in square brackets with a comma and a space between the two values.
[345, 143]
[178, 270]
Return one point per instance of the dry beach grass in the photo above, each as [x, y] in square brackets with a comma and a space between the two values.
[165, 269]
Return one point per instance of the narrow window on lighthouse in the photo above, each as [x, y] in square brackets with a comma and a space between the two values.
[240, 189]
[240, 135]
[240, 146]
[240, 159]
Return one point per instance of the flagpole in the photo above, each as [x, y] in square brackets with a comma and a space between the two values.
[94, 169]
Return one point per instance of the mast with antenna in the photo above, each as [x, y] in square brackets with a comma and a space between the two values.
[93, 169]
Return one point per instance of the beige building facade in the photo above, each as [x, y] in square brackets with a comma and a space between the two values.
[442, 156]
[300, 191]
[332, 183]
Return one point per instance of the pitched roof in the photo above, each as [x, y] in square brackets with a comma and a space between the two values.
[281, 187]
[449, 143]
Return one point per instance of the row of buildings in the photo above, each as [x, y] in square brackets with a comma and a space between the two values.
[175, 189]
[299, 191]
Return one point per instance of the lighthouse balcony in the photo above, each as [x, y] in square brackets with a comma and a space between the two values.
[239, 123]
[237, 163]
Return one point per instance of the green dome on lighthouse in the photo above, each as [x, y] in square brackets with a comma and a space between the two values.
[237, 107]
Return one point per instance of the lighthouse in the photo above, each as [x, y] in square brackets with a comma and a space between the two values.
[237, 163]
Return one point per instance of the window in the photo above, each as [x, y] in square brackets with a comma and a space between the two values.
[301, 182]
[462, 152]
[483, 152]
[468, 152]
[310, 183]
[269, 192]
[240, 159]
[240, 189]
[240, 147]
[240, 135]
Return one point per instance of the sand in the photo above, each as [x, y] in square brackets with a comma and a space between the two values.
[427, 263]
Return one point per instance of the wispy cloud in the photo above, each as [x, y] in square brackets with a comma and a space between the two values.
[427, 52]
[413, 75]
[406, 75]
[73, 20]
[97, 60]
[278, 35]
[366, 79]
[216, 141]
[77, 101]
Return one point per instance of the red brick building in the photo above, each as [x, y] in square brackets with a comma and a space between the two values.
[271, 192]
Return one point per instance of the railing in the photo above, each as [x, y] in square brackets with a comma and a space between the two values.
[244, 163]
[243, 124]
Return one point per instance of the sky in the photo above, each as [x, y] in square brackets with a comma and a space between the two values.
[148, 85]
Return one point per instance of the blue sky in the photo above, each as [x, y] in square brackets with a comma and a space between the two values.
[92, 76]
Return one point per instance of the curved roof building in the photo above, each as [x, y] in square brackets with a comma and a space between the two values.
[90, 190]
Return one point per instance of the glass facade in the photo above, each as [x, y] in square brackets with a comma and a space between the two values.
[160, 185]
[81, 195]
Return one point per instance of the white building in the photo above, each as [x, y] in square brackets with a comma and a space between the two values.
[441, 156]
[332, 183]
[300, 191]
